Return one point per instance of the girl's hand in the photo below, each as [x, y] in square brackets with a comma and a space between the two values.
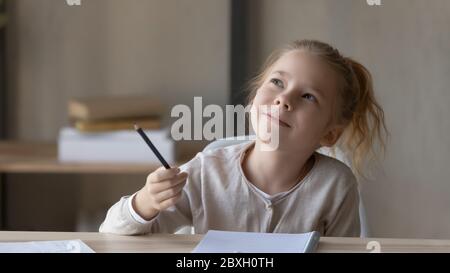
[162, 190]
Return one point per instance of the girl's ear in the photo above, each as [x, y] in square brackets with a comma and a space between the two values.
[331, 137]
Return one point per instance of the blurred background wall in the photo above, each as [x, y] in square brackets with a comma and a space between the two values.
[173, 49]
[178, 49]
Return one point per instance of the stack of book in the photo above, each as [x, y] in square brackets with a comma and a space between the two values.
[103, 131]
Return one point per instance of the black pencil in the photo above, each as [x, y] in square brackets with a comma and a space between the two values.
[150, 144]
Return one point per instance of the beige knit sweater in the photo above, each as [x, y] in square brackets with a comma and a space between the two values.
[218, 196]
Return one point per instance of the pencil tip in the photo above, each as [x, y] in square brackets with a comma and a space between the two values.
[136, 127]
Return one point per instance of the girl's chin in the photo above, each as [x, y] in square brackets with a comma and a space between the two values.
[268, 141]
[282, 142]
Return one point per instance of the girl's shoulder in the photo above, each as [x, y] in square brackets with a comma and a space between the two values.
[217, 157]
[216, 168]
[334, 170]
[226, 151]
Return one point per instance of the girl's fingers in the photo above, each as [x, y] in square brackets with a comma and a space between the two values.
[169, 193]
[171, 201]
[167, 184]
[162, 174]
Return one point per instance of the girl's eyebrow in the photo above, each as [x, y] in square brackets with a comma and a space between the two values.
[288, 75]
[282, 73]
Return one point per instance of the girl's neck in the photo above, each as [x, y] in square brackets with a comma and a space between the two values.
[275, 171]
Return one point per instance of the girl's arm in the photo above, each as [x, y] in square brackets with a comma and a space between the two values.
[346, 222]
[123, 217]
[120, 219]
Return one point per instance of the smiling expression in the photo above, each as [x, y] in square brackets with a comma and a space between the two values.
[301, 92]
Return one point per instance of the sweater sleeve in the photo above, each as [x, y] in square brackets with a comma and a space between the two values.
[346, 222]
[119, 218]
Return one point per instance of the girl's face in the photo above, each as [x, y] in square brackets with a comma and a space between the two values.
[303, 90]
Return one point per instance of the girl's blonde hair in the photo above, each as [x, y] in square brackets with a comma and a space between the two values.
[359, 111]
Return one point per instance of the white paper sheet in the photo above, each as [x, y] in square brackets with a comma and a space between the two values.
[252, 242]
[68, 246]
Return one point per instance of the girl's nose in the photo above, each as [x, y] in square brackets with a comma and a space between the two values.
[284, 103]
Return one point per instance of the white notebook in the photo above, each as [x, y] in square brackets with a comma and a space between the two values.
[67, 246]
[252, 242]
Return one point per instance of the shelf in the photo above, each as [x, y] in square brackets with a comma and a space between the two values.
[39, 157]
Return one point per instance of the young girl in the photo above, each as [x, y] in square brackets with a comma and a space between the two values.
[321, 97]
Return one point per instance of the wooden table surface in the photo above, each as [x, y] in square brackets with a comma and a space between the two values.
[100, 242]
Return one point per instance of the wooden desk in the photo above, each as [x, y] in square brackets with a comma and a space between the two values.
[100, 242]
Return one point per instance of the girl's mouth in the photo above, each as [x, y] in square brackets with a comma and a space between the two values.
[278, 120]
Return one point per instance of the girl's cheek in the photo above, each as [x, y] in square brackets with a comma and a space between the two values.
[254, 117]
[259, 99]
[308, 118]
[264, 97]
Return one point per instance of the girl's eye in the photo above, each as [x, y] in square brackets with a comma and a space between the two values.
[309, 97]
[277, 82]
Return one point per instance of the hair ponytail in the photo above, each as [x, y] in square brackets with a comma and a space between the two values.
[366, 127]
